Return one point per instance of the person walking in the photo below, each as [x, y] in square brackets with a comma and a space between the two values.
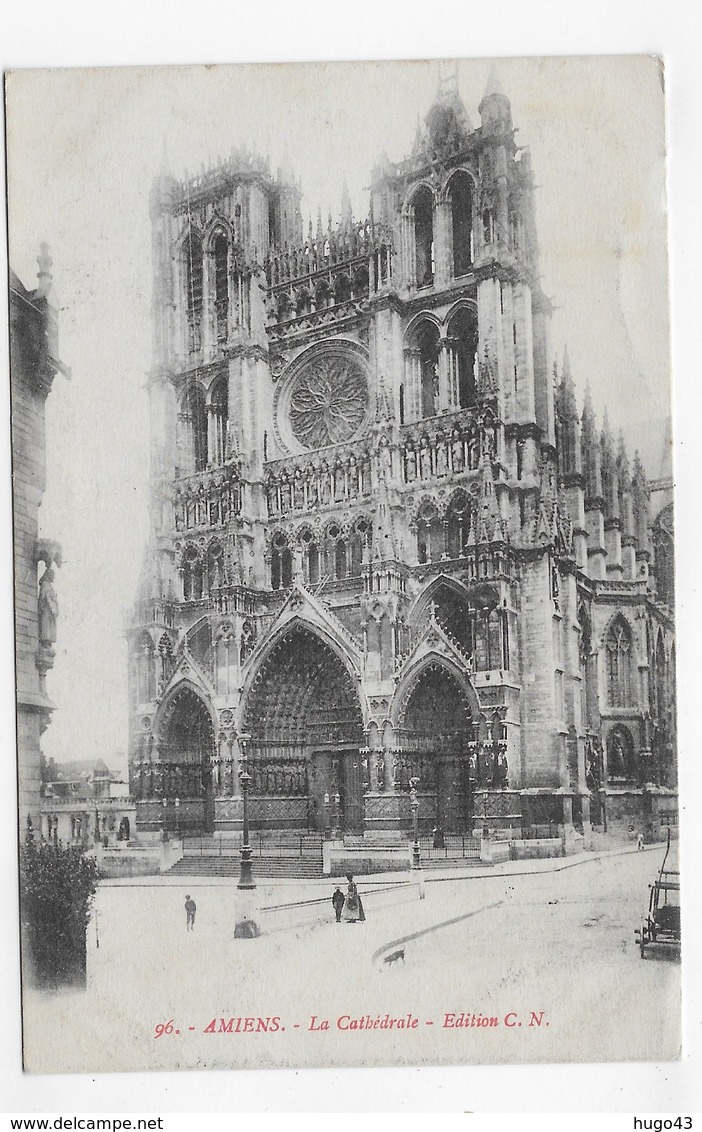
[353, 906]
[338, 900]
[640, 841]
[190, 910]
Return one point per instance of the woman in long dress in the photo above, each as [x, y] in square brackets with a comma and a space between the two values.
[353, 907]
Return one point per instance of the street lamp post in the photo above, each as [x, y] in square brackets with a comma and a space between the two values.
[164, 831]
[337, 816]
[177, 814]
[414, 803]
[246, 879]
[327, 823]
[246, 926]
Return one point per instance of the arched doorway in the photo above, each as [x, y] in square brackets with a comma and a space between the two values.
[435, 733]
[186, 748]
[304, 718]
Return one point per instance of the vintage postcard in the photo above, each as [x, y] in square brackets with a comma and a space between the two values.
[344, 565]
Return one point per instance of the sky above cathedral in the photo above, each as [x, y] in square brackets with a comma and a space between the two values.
[80, 172]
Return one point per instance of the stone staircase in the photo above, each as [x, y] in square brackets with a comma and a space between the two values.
[227, 865]
[274, 854]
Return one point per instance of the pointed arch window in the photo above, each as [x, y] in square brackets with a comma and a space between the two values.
[429, 535]
[281, 563]
[215, 567]
[424, 237]
[219, 418]
[248, 640]
[192, 254]
[360, 539]
[462, 223]
[619, 660]
[458, 519]
[428, 342]
[310, 557]
[220, 253]
[193, 429]
[463, 337]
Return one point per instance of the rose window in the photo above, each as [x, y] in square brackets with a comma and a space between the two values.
[328, 402]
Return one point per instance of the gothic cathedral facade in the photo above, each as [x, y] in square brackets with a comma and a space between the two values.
[385, 545]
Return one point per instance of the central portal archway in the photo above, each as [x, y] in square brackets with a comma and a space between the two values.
[437, 727]
[306, 726]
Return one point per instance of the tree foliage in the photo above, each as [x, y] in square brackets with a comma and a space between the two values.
[57, 887]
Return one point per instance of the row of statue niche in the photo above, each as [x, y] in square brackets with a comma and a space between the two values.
[488, 770]
[324, 485]
[176, 780]
[278, 778]
[461, 451]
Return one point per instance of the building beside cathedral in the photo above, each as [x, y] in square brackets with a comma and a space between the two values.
[34, 364]
[385, 543]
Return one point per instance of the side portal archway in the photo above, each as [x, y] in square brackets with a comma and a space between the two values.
[305, 723]
[186, 749]
[437, 728]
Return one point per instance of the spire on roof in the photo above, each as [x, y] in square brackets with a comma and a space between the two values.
[346, 212]
[448, 79]
[566, 363]
[494, 109]
[588, 417]
[493, 85]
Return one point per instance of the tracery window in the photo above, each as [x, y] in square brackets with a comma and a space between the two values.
[310, 557]
[329, 401]
[619, 660]
[458, 520]
[360, 538]
[281, 563]
[335, 563]
[248, 640]
[215, 567]
[429, 534]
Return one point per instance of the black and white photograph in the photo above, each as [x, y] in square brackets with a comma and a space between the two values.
[344, 565]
